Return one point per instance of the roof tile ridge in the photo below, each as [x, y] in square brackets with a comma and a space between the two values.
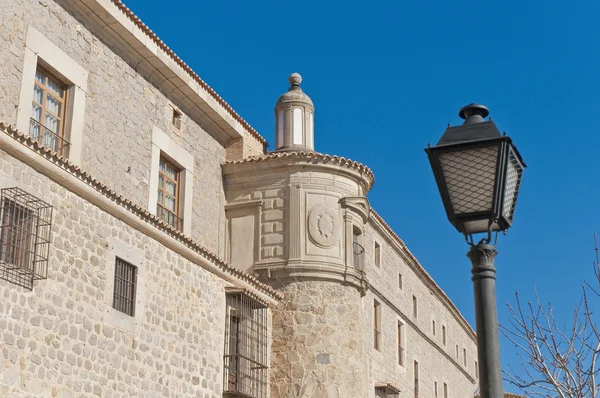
[138, 22]
[416, 262]
[310, 155]
[142, 213]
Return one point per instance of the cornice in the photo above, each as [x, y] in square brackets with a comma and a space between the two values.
[151, 55]
[304, 158]
[420, 271]
[62, 171]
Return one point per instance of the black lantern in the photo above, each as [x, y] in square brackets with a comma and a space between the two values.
[478, 172]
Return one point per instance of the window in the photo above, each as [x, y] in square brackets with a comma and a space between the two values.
[400, 343]
[24, 237]
[377, 255]
[465, 356]
[168, 194]
[245, 358]
[386, 390]
[445, 390]
[376, 325]
[415, 307]
[435, 388]
[476, 370]
[416, 374]
[444, 335]
[171, 182]
[125, 287]
[357, 249]
[433, 327]
[48, 108]
[457, 352]
[400, 281]
[176, 119]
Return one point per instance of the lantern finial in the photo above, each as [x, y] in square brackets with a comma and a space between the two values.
[473, 113]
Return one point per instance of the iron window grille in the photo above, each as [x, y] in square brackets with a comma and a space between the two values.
[245, 358]
[125, 287]
[24, 237]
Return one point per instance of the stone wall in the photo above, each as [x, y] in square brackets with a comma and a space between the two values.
[121, 109]
[64, 339]
[317, 348]
[437, 361]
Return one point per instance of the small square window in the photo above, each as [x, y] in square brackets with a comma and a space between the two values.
[176, 119]
[125, 287]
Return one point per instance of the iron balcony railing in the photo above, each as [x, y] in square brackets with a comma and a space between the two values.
[169, 217]
[48, 138]
[358, 258]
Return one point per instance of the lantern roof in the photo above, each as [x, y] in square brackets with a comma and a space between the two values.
[473, 129]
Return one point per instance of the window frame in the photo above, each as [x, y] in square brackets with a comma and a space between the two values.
[377, 254]
[46, 91]
[377, 325]
[401, 333]
[41, 51]
[125, 294]
[164, 146]
[177, 181]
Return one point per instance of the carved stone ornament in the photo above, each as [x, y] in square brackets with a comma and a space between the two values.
[323, 226]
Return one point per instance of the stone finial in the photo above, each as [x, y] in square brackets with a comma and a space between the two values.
[295, 79]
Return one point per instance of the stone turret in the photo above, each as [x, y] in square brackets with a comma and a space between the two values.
[305, 213]
[294, 119]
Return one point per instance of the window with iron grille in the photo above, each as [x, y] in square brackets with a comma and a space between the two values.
[24, 237]
[169, 181]
[245, 359]
[125, 287]
[358, 252]
[48, 110]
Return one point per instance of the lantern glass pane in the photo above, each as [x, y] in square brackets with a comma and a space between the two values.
[470, 177]
[514, 172]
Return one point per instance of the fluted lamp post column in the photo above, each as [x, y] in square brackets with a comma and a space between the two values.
[478, 172]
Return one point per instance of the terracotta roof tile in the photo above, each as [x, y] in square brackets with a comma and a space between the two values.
[137, 210]
[138, 22]
[308, 155]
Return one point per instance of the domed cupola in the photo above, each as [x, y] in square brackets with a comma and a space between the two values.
[294, 119]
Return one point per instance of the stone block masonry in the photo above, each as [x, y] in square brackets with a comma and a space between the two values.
[64, 339]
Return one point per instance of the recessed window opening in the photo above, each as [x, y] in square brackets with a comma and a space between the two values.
[125, 287]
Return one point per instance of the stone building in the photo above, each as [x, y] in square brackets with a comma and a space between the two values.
[151, 246]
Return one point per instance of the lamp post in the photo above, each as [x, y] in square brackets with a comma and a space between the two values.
[478, 172]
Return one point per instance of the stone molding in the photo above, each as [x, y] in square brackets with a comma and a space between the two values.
[71, 177]
[358, 171]
[360, 205]
[38, 47]
[323, 226]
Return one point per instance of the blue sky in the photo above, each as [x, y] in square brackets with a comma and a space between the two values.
[387, 77]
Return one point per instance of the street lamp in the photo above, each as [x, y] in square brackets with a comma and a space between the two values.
[478, 172]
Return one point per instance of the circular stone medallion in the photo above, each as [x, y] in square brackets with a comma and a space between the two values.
[323, 226]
